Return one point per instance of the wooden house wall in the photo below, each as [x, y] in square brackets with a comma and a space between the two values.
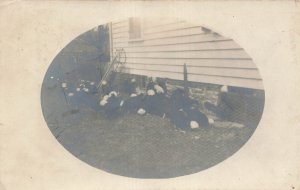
[167, 44]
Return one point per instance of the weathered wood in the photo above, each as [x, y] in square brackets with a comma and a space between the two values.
[221, 80]
[120, 24]
[168, 44]
[169, 27]
[217, 45]
[221, 63]
[181, 39]
[230, 72]
[121, 35]
[185, 80]
[120, 29]
[234, 54]
[179, 32]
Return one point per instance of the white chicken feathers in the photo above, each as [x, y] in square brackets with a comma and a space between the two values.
[194, 125]
[141, 111]
[159, 89]
[103, 102]
[150, 92]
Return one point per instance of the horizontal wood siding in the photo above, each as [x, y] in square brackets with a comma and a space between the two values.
[241, 73]
[217, 45]
[220, 63]
[220, 54]
[167, 44]
[231, 81]
[183, 39]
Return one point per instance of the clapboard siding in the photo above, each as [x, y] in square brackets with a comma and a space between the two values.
[223, 63]
[121, 35]
[226, 54]
[169, 27]
[222, 80]
[234, 72]
[166, 45]
[178, 39]
[174, 33]
[120, 30]
[217, 45]
[119, 24]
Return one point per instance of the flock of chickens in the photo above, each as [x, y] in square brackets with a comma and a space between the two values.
[182, 110]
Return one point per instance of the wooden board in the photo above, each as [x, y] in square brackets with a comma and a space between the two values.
[233, 72]
[123, 35]
[230, 81]
[165, 46]
[173, 33]
[181, 39]
[120, 24]
[226, 63]
[120, 30]
[168, 27]
[217, 45]
[227, 54]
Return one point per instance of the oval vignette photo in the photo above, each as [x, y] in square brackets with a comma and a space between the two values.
[152, 98]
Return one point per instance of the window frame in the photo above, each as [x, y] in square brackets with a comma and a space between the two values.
[135, 39]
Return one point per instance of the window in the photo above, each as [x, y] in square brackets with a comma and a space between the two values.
[135, 28]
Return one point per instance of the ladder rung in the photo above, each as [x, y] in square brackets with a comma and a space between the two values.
[110, 67]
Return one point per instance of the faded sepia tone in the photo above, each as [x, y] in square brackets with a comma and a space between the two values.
[30, 156]
[152, 98]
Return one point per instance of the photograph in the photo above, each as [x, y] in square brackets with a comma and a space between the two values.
[152, 98]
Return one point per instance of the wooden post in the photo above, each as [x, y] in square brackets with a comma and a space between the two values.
[185, 80]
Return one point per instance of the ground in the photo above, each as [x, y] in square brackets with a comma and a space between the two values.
[143, 146]
[130, 145]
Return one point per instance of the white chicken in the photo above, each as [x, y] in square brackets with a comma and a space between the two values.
[194, 125]
[105, 97]
[150, 92]
[104, 82]
[224, 88]
[141, 111]
[64, 85]
[211, 121]
[103, 102]
[113, 93]
[159, 89]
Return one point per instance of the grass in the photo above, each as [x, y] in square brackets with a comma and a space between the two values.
[137, 146]
[148, 146]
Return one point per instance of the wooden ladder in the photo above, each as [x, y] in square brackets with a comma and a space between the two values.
[119, 59]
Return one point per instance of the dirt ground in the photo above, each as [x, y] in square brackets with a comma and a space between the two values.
[130, 145]
[138, 146]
